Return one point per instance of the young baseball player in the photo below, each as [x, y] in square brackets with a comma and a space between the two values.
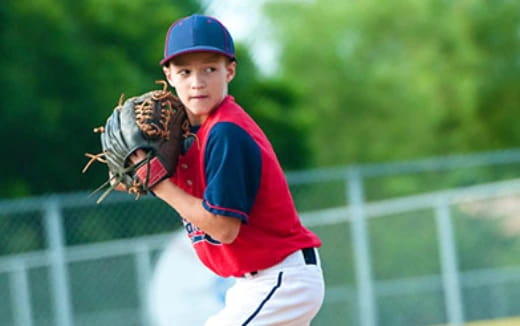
[231, 192]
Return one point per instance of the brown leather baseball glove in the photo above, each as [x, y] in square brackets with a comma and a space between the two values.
[155, 122]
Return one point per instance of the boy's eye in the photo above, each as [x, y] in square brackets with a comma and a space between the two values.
[183, 72]
[210, 69]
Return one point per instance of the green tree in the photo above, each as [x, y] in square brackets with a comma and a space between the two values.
[273, 103]
[63, 66]
[495, 34]
[400, 79]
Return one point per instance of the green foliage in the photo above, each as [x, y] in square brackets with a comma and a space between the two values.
[404, 246]
[273, 103]
[378, 188]
[25, 233]
[402, 79]
[119, 221]
[495, 33]
[487, 244]
[64, 65]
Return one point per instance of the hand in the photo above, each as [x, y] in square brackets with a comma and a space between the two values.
[119, 187]
[155, 121]
[137, 156]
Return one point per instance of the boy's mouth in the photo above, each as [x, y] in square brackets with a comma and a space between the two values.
[198, 97]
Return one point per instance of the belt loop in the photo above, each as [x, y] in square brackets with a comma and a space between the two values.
[249, 275]
[309, 255]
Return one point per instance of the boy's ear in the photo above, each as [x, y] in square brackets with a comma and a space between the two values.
[168, 74]
[231, 71]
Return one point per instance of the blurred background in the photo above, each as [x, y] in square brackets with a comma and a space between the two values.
[394, 121]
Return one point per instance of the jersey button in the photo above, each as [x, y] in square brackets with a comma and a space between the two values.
[189, 182]
[184, 166]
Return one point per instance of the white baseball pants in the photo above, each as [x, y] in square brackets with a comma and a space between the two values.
[287, 294]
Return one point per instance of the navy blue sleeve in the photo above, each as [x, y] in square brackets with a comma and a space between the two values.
[233, 164]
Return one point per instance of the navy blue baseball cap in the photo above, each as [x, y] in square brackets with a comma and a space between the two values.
[197, 33]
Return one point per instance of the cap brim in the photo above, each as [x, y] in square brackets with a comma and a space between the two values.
[196, 49]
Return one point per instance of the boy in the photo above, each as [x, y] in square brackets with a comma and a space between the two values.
[231, 192]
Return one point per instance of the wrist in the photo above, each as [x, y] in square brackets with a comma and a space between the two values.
[160, 187]
[152, 173]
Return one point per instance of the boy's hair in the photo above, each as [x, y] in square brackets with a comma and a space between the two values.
[197, 33]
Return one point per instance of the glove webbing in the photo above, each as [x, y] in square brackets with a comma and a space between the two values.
[137, 187]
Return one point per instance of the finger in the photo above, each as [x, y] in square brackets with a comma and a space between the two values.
[137, 156]
[115, 183]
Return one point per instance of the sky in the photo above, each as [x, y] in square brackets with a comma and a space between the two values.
[244, 20]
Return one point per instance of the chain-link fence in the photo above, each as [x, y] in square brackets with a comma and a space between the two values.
[413, 243]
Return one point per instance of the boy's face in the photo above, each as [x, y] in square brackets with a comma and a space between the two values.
[201, 81]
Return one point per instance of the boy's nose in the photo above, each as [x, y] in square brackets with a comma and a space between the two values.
[198, 81]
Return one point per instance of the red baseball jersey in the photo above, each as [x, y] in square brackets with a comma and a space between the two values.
[271, 228]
